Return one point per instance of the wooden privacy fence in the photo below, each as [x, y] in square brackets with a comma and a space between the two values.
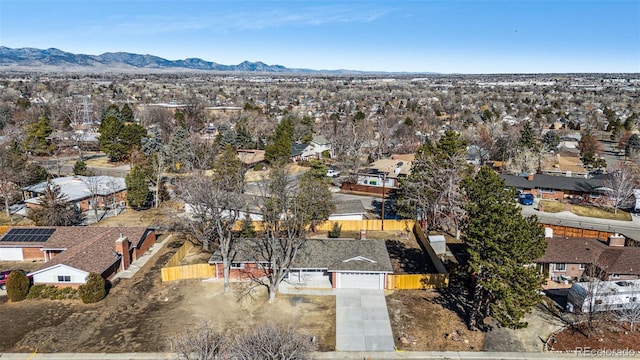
[180, 254]
[174, 271]
[417, 281]
[195, 271]
[566, 231]
[4, 229]
[368, 225]
[437, 280]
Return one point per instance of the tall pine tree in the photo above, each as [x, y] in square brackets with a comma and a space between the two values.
[502, 245]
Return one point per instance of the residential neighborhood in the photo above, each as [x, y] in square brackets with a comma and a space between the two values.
[376, 214]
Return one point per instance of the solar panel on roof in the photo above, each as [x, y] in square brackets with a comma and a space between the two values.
[27, 235]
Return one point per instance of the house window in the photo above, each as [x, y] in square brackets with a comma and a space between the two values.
[237, 265]
[561, 267]
[547, 190]
[583, 266]
[64, 278]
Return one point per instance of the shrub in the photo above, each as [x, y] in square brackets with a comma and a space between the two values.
[36, 291]
[93, 290]
[52, 292]
[18, 285]
[335, 231]
[259, 167]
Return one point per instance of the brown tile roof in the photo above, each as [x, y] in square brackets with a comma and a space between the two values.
[613, 260]
[90, 250]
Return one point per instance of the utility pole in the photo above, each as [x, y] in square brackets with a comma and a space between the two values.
[384, 180]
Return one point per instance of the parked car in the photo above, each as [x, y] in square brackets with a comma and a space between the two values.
[333, 173]
[526, 199]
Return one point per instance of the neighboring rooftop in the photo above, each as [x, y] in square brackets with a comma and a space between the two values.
[78, 187]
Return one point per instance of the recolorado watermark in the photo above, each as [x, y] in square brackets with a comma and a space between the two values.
[589, 352]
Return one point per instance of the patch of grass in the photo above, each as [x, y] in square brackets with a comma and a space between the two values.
[552, 206]
[591, 211]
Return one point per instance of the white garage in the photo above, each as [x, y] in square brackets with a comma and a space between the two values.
[11, 254]
[354, 280]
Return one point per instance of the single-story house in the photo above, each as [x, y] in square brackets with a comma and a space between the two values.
[344, 263]
[348, 210]
[250, 157]
[564, 163]
[382, 176]
[86, 192]
[554, 187]
[572, 258]
[313, 150]
[69, 253]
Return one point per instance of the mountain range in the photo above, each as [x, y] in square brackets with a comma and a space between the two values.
[57, 60]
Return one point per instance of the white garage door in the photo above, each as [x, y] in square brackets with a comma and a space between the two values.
[11, 254]
[360, 281]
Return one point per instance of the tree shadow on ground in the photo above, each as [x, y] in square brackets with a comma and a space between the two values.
[410, 260]
[455, 297]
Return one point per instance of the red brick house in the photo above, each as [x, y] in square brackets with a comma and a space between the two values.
[554, 187]
[69, 254]
[342, 263]
[574, 258]
[86, 192]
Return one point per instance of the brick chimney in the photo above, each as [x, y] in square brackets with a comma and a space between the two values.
[616, 240]
[530, 177]
[122, 247]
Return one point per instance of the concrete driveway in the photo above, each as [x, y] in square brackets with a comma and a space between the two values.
[362, 321]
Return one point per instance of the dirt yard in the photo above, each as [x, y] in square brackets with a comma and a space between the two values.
[141, 313]
[421, 323]
[606, 335]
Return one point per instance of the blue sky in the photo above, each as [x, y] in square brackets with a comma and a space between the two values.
[456, 36]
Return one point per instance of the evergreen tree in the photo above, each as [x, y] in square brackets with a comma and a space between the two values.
[247, 229]
[244, 139]
[154, 150]
[179, 152]
[314, 200]
[127, 114]
[551, 140]
[527, 137]
[432, 191]
[80, 168]
[633, 145]
[93, 290]
[109, 139]
[55, 209]
[17, 285]
[37, 137]
[280, 147]
[502, 245]
[137, 187]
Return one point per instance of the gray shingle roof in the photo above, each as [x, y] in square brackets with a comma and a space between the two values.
[330, 254]
[553, 182]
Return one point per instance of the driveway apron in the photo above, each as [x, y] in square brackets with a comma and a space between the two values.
[362, 321]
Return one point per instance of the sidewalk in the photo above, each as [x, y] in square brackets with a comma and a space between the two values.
[139, 263]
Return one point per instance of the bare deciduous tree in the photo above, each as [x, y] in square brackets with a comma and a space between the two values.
[200, 343]
[287, 216]
[272, 342]
[631, 313]
[619, 186]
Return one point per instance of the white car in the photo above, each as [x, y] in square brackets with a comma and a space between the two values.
[333, 173]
